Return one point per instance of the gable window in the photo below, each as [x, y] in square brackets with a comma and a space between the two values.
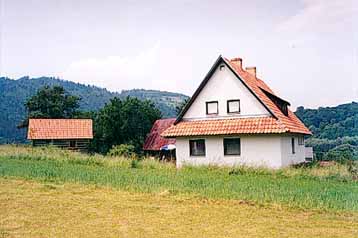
[293, 145]
[301, 140]
[197, 147]
[233, 106]
[232, 146]
[212, 107]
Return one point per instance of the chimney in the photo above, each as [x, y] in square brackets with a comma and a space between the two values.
[251, 70]
[237, 62]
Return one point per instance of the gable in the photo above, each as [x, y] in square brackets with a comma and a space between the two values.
[275, 107]
[223, 85]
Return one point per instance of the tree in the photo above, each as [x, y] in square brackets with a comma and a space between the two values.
[51, 102]
[125, 121]
[181, 105]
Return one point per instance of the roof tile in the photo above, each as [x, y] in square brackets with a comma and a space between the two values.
[60, 129]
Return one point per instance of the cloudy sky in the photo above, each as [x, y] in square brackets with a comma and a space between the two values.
[306, 50]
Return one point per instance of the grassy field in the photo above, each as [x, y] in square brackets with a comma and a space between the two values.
[46, 192]
[46, 209]
[329, 188]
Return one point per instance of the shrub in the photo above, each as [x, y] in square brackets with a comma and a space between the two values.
[353, 169]
[340, 154]
[125, 150]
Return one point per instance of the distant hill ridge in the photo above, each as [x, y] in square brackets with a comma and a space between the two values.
[14, 93]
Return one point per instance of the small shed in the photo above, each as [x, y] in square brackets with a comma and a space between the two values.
[158, 145]
[72, 134]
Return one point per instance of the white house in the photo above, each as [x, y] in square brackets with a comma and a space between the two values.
[234, 118]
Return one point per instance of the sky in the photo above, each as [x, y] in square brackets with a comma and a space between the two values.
[305, 50]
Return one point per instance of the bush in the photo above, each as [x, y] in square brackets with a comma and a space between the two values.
[125, 150]
[353, 169]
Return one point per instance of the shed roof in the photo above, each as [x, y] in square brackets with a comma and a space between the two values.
[154, 140]
[44, 129]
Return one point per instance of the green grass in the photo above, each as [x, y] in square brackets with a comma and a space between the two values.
[329, 188]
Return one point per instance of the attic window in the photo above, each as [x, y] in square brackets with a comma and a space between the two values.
[233, 106]
[212, 108]
[221, 67]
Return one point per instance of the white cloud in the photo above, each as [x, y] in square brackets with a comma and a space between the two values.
[116, 72]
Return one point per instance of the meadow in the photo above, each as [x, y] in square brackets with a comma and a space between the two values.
[331, 188]
[47, 192]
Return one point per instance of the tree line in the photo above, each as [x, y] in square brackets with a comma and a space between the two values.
[335, 131]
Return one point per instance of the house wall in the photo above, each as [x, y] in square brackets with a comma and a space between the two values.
[223, 86]
[288, 158]
[256, 150]
[271, 151]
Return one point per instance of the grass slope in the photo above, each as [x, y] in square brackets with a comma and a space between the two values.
[318, 188]
[32, 209]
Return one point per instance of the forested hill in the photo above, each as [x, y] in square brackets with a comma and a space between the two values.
[331, 122]
[13, 94]
[335, 130]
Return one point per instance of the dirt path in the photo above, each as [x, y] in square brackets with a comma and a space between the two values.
[32, 209]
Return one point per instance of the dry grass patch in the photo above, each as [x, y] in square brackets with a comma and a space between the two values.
[33, 209]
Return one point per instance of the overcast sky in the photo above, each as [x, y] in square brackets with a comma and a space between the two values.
[306, 50]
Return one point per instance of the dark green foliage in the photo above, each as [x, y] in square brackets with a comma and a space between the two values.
[125, 121]
[14, 93]
[335, 131]
[52, 102]
[123, 150]
[331, 122]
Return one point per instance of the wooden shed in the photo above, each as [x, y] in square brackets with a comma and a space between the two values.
[72, 134]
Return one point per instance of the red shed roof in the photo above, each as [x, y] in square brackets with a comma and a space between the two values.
[154, 141]
[59, 129]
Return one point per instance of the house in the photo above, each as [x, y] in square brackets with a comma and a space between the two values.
[157, 145]
[234, 118]
[73, 134]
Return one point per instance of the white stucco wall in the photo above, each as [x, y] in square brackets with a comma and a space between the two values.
[256, 151]
[271, 151]
[288, 158]
[224, 86]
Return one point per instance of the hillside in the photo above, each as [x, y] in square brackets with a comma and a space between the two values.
[335, 129]
[15, 92]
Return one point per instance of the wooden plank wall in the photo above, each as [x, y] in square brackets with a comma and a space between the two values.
[75, 144]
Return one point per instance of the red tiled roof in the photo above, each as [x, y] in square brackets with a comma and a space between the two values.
[154, 140]
[278, 123]
[60, 129]
[250, 125]
[290, 122]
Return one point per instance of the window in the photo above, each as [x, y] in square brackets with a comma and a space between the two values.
[197, 147]
[232, 146]
[301, 140]
[293, 145]
[212, 107]
[222, 67]
[233, 106]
